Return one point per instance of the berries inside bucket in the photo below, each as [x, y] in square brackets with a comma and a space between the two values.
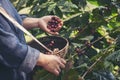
[54, 43]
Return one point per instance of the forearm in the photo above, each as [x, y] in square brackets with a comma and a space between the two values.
[30, 23]
[43, 23]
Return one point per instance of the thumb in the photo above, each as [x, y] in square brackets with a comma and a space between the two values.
[52, 32]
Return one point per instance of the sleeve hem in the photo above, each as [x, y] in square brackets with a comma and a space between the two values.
[23, 16]
[30, 60]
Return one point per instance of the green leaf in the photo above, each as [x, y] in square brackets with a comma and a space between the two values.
[41, 74]
[118, 41]
[28, 4]
[89, 38]
[20, 4]
[72, 74]
[108, 65]
[79, 20]
[104, 2]
[51, 7]
[103, 75]
[69, 6]
[93, 2]
[58, 12]
[84, 65]
[80, 3]
[114, 57]
[76, 44]
[118, 18]
[41, 1]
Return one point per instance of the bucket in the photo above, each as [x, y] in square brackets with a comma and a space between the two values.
[57, 44]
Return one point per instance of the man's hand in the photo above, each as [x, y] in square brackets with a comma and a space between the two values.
[50, 24]
[51, 63]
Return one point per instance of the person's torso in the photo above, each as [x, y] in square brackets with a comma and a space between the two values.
[12, 12]
[5, 72]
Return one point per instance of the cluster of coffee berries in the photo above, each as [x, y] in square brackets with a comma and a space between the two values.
[54, 24]
[88, 44]
[51, 43]
[79, 51]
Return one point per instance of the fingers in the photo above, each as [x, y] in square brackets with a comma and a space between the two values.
[58, 69]
[62, 63]
[53, 64]
[51, 32]
[56, 72]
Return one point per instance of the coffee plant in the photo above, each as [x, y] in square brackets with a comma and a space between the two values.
[92, 28]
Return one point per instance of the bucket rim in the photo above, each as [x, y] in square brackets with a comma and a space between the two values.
[67, 42]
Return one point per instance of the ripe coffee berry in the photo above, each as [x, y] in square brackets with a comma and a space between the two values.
[88, 44]
[51, 44]
[79, 51]
[54, 24]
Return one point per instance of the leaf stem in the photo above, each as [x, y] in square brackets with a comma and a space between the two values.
[91, 67]
[75, 15]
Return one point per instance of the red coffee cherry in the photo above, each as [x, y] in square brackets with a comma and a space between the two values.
[79, 51]
[88, 44]
[54, 24]
[52, 42]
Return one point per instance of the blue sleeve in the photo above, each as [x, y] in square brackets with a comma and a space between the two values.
[13, 53]
[23, 16]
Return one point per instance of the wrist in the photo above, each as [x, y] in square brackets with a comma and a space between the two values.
[41, 60]
[40, 23]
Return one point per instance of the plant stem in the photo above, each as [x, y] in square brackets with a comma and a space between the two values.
[69, 18]
[84, 48]
[110, 18]
[91, 67]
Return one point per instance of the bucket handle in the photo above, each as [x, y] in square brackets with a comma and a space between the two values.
[11, 19]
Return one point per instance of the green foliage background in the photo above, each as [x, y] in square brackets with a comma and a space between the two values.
[92, 28]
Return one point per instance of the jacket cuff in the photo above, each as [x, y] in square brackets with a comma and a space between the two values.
[30, 60]
[23, 16]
